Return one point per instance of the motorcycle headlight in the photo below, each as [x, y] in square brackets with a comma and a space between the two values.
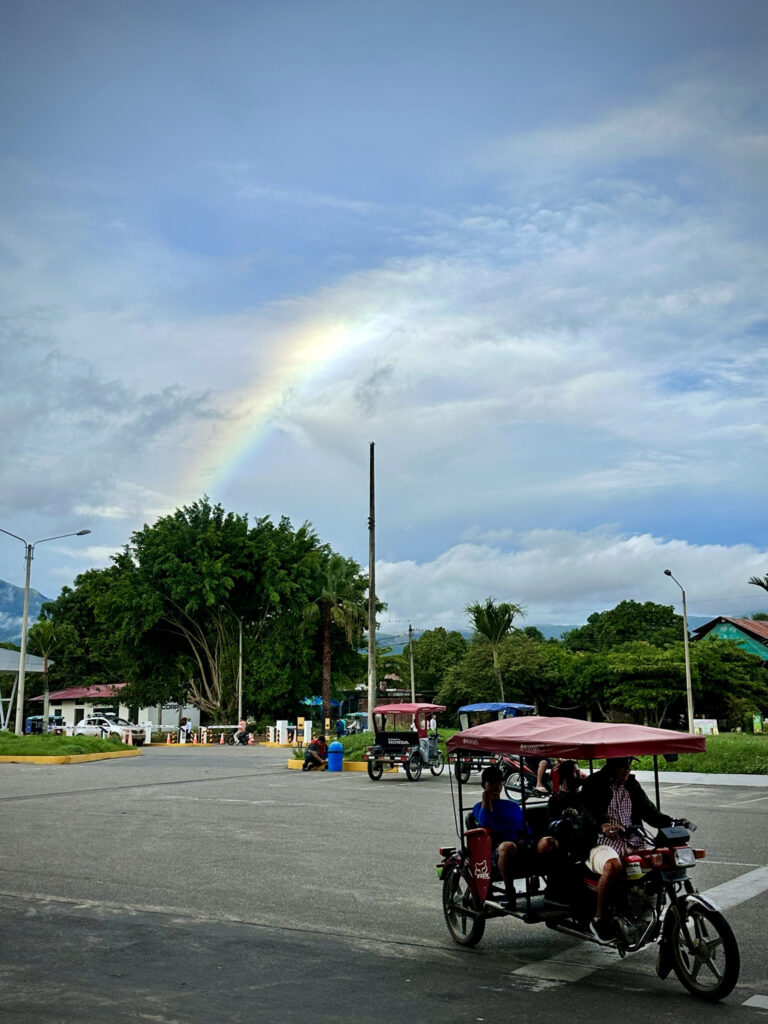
[685, 857]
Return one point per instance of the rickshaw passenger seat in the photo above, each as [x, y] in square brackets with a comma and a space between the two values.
[470, 821]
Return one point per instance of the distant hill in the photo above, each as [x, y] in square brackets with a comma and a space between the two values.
[12, 608]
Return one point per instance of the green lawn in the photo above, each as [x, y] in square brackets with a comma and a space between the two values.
[38, 745]
[728, 754]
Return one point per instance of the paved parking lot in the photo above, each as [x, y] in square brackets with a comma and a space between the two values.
[209, 884]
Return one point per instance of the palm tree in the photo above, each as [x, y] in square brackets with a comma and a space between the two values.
[494, 622]
[757, 582]
[43, 638]
[340, 602]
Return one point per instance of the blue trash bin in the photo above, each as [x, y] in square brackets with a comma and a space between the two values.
[335, 757]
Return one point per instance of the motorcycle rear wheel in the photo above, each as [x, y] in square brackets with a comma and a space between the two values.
[461, 907]
[705, 954]
[413, 768]
[462, 770]
[375, 770]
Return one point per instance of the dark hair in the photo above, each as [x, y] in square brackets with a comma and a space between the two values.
[569, 773]
[492, 774]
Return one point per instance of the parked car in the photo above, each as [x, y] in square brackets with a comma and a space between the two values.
[107, 728]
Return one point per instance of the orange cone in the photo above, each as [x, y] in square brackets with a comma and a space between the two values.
[168, 740]
[221, 739]
[129, 741]
[194, 738]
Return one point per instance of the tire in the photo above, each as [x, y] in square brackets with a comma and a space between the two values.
[413, 768]
[375, 770]
[461, 907]
[512, 786]
[230, 740]
[437, 767]
[462, 770]
[705, 954]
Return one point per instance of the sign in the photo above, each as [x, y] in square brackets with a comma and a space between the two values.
[705, 726]
[757, 723]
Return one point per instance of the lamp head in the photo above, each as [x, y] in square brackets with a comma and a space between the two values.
[82, 533]
[667, 572]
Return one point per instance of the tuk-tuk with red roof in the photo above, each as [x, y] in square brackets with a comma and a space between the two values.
[402, 738]
[654, 902]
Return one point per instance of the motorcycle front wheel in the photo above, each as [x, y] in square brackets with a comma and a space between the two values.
[513, 786]
[705, 954]
[437, 767]
[461, 907]
[375, 770]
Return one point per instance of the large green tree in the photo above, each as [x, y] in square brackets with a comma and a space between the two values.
[493, 622]
[656, 624]
[434, 652]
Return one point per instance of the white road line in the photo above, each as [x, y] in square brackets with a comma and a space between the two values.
[584, 959]
[740, 803]
[740, 889]
[759, 1002]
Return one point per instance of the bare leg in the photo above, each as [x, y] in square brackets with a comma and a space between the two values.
[610, 876]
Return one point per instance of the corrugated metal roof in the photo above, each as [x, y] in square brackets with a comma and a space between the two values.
[108, 692]
[9, 661]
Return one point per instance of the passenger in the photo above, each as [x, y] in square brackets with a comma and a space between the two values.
[539, 766]
[613, 800]
[572, 841]
[316, 755]
[513, 849]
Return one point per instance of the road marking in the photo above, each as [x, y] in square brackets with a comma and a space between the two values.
[739, 889]
[759, 1002]
[740, 803]
[582, 960]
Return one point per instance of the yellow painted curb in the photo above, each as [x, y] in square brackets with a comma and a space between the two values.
[66, 758]
[268, 743]
[347, 766]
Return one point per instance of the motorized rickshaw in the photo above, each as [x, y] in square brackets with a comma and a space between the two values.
[402, 738]
[476, 714]
[655, 903]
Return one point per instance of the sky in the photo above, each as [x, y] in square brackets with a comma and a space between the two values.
[521, 247]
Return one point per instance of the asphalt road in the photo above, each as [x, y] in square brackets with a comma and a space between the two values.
[207, 885]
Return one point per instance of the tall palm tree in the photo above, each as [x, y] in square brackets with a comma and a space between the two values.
[757, 582]
[340, 601]
[494, 622]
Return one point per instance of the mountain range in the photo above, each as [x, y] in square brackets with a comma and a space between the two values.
[12, 609]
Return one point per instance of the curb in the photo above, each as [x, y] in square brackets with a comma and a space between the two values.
[703, 779]
[66, 758]
[348, 766]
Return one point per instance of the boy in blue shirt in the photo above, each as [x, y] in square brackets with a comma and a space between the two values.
[512, 841]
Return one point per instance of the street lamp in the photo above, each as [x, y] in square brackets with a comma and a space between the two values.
[29, 554]
[688, 689]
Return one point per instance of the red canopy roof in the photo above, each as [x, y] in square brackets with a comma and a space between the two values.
[406, 709]
[567, 737]
[107, 691]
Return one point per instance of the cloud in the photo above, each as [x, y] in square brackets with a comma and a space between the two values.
[562, 576]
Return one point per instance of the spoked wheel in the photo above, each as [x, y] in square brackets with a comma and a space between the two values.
[462, 908]
[437, 767]
[413, 768]
[375, 770]
[513, 786]
[462, 770]
[705, 954]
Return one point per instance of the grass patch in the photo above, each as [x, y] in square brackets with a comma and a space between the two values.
[730, 753]
[39, 745]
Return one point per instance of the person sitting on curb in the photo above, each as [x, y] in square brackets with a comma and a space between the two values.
[513, 850]
[316, 755]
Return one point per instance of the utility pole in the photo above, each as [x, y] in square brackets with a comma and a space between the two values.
[413, 681]
[371, 593]
[240, 676]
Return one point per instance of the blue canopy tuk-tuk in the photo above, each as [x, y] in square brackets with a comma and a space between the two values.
[478, 714]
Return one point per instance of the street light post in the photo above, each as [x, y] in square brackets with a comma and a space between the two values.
[29, 554]
[688, 688]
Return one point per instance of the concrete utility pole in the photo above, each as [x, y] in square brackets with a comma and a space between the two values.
[240, 675]
[371, 594]
[29, 554]
[413, 680]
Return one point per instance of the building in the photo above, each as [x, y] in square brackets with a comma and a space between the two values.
[750, 634]
[77, 702]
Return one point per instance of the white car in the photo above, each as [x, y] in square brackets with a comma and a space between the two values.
[109, 728]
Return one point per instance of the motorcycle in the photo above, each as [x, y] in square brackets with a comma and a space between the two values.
[242, 739]
[517, 773]
[656, 902]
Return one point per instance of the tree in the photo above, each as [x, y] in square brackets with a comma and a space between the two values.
[43, 638]
[758, 581]
[493, 622]
[656, 624]
[339, 602]
[434, 652]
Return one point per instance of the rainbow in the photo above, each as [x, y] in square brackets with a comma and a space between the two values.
[299, 353]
